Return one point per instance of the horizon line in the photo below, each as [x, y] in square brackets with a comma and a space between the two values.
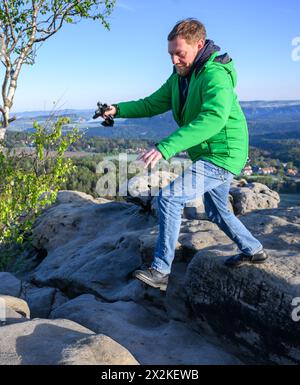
[92, 109]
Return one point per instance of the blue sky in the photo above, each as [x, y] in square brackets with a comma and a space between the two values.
[84, 63]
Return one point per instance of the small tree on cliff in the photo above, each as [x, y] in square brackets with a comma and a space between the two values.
[25, 25]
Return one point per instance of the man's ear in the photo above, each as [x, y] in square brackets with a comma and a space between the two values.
[201, 44]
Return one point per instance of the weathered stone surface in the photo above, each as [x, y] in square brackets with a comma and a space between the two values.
[278, 233]
[48, 342]
[97, 254]
[29, 299]
[148, 185]
[99, 251]
[97, 350]
[243, 198]
[143, 189]
[12, 317]
[239, 183]
[290, 214]
[95, 258]
[9, 285]
[197, 235]
[253, 196]
[250, 305]
[18, 305]
[39, 300]
[58, 300]
[149, 338]
[77, 197]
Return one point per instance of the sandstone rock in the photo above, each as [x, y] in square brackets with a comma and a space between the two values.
[290, 214]
[243, 197]
[48, 342]
[84, 257]
[77, 197]
[253, 197]
[191, 243]
[16, 304]
[40, 300]
[9, 285]
[194, 210]
[97, 350]
[12, 317]
[96, 270]
[150, 339]
[149, 185]
[143, 189]
[58, 300]
[278, 233]
[239, 183]
[251, 306]
[110, 240]
[90, 248]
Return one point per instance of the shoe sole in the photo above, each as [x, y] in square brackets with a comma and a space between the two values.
[247, 263]
[162, 287]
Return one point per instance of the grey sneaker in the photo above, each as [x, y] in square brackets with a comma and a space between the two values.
[153, 278]
[241, 259]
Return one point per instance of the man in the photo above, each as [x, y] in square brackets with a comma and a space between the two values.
[212, 129]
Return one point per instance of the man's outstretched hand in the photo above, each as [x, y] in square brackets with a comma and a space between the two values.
[111, 111]
[150, 157]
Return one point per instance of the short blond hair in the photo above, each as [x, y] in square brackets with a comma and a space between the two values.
[192, 30]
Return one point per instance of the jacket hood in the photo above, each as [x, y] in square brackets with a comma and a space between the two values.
[227, 63]
[203, 56]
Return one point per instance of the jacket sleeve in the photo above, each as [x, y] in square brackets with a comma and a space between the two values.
[217, 96]
[157, 103]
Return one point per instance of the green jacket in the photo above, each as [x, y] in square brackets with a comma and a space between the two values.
[212, 125]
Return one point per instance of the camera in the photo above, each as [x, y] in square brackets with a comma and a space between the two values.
[109, 121]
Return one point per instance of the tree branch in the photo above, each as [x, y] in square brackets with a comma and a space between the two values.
[48, 31]
[9, 19]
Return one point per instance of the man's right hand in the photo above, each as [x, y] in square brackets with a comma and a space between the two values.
[111, 111]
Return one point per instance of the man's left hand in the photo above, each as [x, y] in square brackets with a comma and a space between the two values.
[150, 157]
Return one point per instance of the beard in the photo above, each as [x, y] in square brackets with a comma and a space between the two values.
[184, 71]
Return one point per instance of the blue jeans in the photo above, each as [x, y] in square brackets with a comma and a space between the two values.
[206, 179]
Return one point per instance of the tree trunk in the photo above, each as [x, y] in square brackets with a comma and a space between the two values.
[5, 121]
[8, 95]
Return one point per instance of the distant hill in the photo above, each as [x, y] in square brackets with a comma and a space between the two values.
[275, 117]
[264, 117]
[260, 109]
[66, 112]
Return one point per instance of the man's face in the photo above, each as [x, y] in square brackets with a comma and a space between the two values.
[183, 54]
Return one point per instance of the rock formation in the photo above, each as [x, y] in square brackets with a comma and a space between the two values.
[78, 284]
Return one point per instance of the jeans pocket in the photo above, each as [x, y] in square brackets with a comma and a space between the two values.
[214, 171]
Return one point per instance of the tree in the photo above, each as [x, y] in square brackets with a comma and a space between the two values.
[273, 162]
[25, 25]
[30, 182]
